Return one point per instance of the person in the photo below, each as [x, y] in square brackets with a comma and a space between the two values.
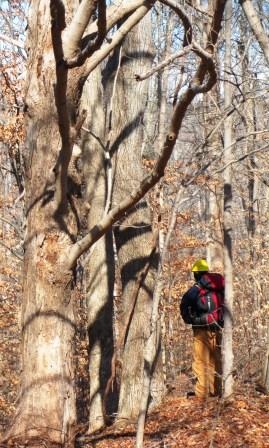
[202, 307]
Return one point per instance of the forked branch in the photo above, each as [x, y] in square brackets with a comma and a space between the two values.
[184, 19]
[117, 38]
[76, 29]
[164, 64]
[107, 19]
[158, 171]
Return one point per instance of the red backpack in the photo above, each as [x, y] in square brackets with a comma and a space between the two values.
[211, 298]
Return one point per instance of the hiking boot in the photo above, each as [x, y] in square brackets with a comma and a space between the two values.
[191, 393]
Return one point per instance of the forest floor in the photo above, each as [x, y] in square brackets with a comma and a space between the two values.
[181, 422]
[178, 422]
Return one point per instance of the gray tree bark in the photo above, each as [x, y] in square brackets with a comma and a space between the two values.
[99, 263]
[133, 234]
[46, 407]
[228, 219]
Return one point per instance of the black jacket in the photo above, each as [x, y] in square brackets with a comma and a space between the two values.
[199, 314]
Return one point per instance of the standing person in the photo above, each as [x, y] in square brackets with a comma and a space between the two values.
[201, 306]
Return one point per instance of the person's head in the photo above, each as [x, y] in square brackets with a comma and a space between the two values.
[199, 268]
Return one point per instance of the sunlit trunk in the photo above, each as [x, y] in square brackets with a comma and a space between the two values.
[133, 234]
[46, 405]
[99, 263]
[228, 220]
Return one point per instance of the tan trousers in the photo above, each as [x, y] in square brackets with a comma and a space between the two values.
[207, 362]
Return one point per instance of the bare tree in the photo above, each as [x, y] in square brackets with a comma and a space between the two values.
[63, 51]
[227, 218]
[256, 26]
[47, 403]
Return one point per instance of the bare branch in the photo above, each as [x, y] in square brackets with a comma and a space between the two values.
[107, 149]
[226, 113]
[198, 9]
[202, 169]
[94, 136]
[201, 52]
[12, 224]
[119, 35]
[21, 196]
[91, 47]
[183, 17]
[61, 168]
[108, 19]
[206, 56]
[11, 251]
[211, 70]
[11, 41]
[115, 13]
[101, 24]
[117, 212]
[243, 157]
[178, 86]
[163, 64]
[192, 47]
[256, 26]
[75, 31]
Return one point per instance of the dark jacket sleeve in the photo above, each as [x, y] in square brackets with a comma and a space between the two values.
[187, 304]
[188, 308]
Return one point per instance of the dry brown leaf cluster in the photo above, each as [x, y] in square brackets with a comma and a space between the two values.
[180, 422]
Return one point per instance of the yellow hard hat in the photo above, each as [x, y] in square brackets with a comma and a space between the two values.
[200, 266]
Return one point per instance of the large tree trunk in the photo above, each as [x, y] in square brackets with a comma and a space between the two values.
[133, 234]
[46, 406]
[99, 268]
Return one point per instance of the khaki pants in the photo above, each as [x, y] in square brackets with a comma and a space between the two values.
[207, 362]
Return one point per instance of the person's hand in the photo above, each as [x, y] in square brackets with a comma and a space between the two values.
[199, 320]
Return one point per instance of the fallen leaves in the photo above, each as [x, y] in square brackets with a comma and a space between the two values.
[181, 422]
